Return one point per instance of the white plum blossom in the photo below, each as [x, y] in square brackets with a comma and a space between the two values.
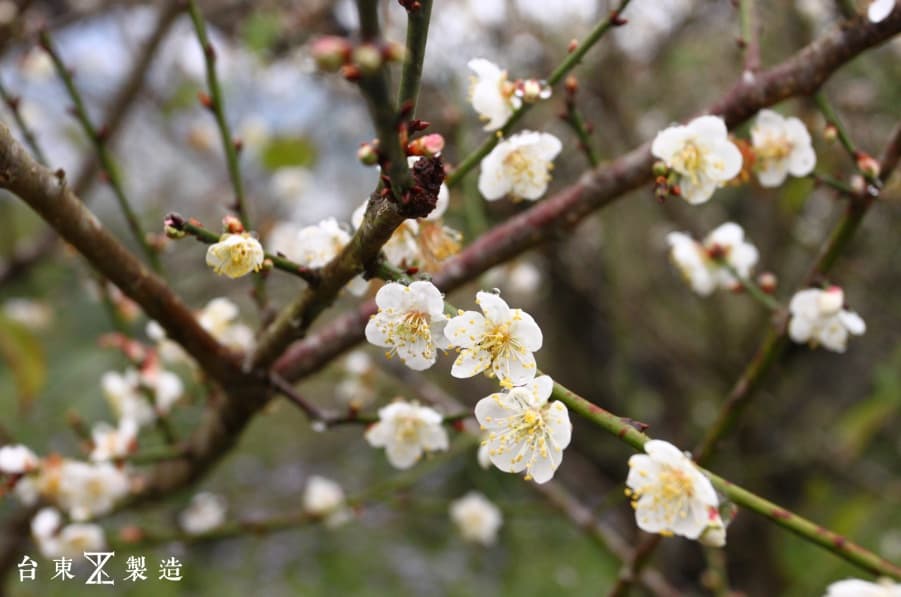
[819, 317]
[491, 93]
[324, 498]
[410, 323]
[477, 519]
[311, 246]
[524, 431]
[519, 166]
[17, 459]
[83, 490]
[113, 442]
[69, 541]
[220, 318]
[701, 154]
[672, 496]
[142, 396]
[357, 388]
[782, 146]
[502, 341]
[879, 10]
[204, 513]
[406, 430]
[705, 265]
[235, 255]
[853, 587]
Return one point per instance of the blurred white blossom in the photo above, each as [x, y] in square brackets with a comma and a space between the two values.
[477, 518]
[819, 317]
[880, 9]
[32, 314]
[141, 396]
[113, 442]
[782, 146]
[324, 498]
[57, 541]
[205, 513]
[491, 93]
[81, 489]
[702, 264]
[406, 430]
[853, 587]
[16, 459]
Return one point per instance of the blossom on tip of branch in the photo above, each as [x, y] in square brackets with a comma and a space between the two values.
[879, 10]
[113, 442]
[410, 322]
[671, 495]
[477, 519]
[519, 166]
[406, 430]
[705, 266]
[782, 146]
[853, 587]
[17, 460]
[500, 339]
[235, 255]
[491, 94]
[818, 317]
[701, 154]
[204, 513]
[324, 498]
[524, 431]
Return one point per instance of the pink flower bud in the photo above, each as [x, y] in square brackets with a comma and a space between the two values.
[330, 52]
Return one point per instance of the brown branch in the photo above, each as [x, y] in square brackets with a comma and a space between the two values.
[801, 74]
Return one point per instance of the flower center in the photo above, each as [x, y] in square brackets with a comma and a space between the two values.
[775, 148]
[521, 167]
[406, 429]
[671, 493]
[498, 340]
[690, 161]
[415, 324]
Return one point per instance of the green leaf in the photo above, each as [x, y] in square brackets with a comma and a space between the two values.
[23, 354]
[282, 152]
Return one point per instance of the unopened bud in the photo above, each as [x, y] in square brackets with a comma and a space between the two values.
[205, 100]
[660, 168]
[571, 85]
[267, 265]
[368, 154]
[532, 90]
[830, 133]
[858, 184]
[330, 52]
[368, 58]
[573, 44]
[131, 534]
[232, 225]
[394, 52]
[767, 282]
[174, 233]
[427, 145]
[867, 165]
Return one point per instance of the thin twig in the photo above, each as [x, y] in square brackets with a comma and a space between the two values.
[417, 36]
[98, 140]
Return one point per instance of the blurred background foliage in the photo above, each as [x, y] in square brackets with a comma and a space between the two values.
[620, 326]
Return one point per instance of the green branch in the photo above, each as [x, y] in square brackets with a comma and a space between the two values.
[98, 139]
[417, 35]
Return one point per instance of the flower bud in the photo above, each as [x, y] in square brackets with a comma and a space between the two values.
[830, 133]
[394, 52]
[767, 282]
[330, 52]
[427, 145]
[368, 58]
[532, 90]
[368, 154]
[232, 225]
[867, 165]
[660, 168]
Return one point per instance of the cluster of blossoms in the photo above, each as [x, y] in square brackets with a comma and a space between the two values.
[713, 263]
[357, 388]
[700, 157]
[672, 496]
[520, 165]
[220, 318]
[525, 430]
[818, 317]
[56, 540]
